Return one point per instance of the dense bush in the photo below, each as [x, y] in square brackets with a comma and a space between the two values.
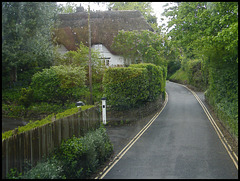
[58, 84]
[81, 157]
[131, 87]
[126, 87]
[222, 93]
[157, 79]
[50, 169]
[172, 67]
[194, 72]
[80, 57]
[26, 98]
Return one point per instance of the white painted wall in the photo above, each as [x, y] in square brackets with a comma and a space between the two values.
[110, 59]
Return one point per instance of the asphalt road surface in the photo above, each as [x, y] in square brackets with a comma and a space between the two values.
[180, 143]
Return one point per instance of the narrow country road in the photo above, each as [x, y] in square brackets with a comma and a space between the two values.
[180, 143]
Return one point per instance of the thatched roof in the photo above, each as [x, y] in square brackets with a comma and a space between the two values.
[105, 25]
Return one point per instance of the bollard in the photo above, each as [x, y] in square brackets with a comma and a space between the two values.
[104, 110]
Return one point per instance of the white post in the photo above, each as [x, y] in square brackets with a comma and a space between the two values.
[104, 110]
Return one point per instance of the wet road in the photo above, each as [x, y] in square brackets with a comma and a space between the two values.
[180, 143]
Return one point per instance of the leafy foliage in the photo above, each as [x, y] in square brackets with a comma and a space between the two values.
[26, 38]
[194, 73]
[207, 31]
[80, 58]
[173, 66]
[81, 156]
[26, 97]
[75, 158]
[125, 87]
[157, 79]
[132, 86]
[57, 83]
[50, 169]
[144, 7]
[144, 46]
[69, 7]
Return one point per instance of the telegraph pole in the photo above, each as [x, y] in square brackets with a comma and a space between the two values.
[90, 62]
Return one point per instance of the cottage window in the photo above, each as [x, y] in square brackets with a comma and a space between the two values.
[107, 62]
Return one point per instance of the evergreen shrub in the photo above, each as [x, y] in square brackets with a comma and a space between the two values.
[194, 72]
[58, 84]
[157, 79]
[133, 86]
[81, 157]
[126, 87]
[26, 98]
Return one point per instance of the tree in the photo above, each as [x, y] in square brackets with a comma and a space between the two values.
[144, 46]
[26, 38]
[144, 7]
[200, 26]
[208, 31]
[70, 7]
[80, 58]
[59, 83]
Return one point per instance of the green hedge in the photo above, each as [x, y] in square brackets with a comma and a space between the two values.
[132, 86]
[222, 94]
[194, 72]
[125, 87]
[157, 79]
[82, 156]
[58, 83]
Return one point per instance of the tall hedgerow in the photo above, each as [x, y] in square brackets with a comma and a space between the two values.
[133, 86]
[126, 87]
[157, 78]
[58, 83]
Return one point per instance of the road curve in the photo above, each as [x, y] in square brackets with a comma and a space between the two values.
[180, 143]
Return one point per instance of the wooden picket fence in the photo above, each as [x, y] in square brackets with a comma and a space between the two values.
[32, 145]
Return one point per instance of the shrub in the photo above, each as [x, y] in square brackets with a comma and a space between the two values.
[172, 67]
[51, 169]
[81, 156]
[157, 79]
[11, 95]
[26, 98]
[222, 94]
[126, 87]
[57, 83]
[194, 73]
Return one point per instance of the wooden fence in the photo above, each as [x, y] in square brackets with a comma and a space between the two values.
[32, 145]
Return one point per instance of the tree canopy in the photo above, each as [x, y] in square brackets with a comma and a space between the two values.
[144, 7]
[26, 38]
[144, 46]
[197, 27]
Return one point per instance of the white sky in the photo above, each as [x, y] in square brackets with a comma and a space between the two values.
[157, 8]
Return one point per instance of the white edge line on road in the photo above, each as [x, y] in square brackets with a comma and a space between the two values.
[228, 148]
[129, 145]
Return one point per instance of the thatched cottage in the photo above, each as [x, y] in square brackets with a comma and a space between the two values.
[105, 25]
